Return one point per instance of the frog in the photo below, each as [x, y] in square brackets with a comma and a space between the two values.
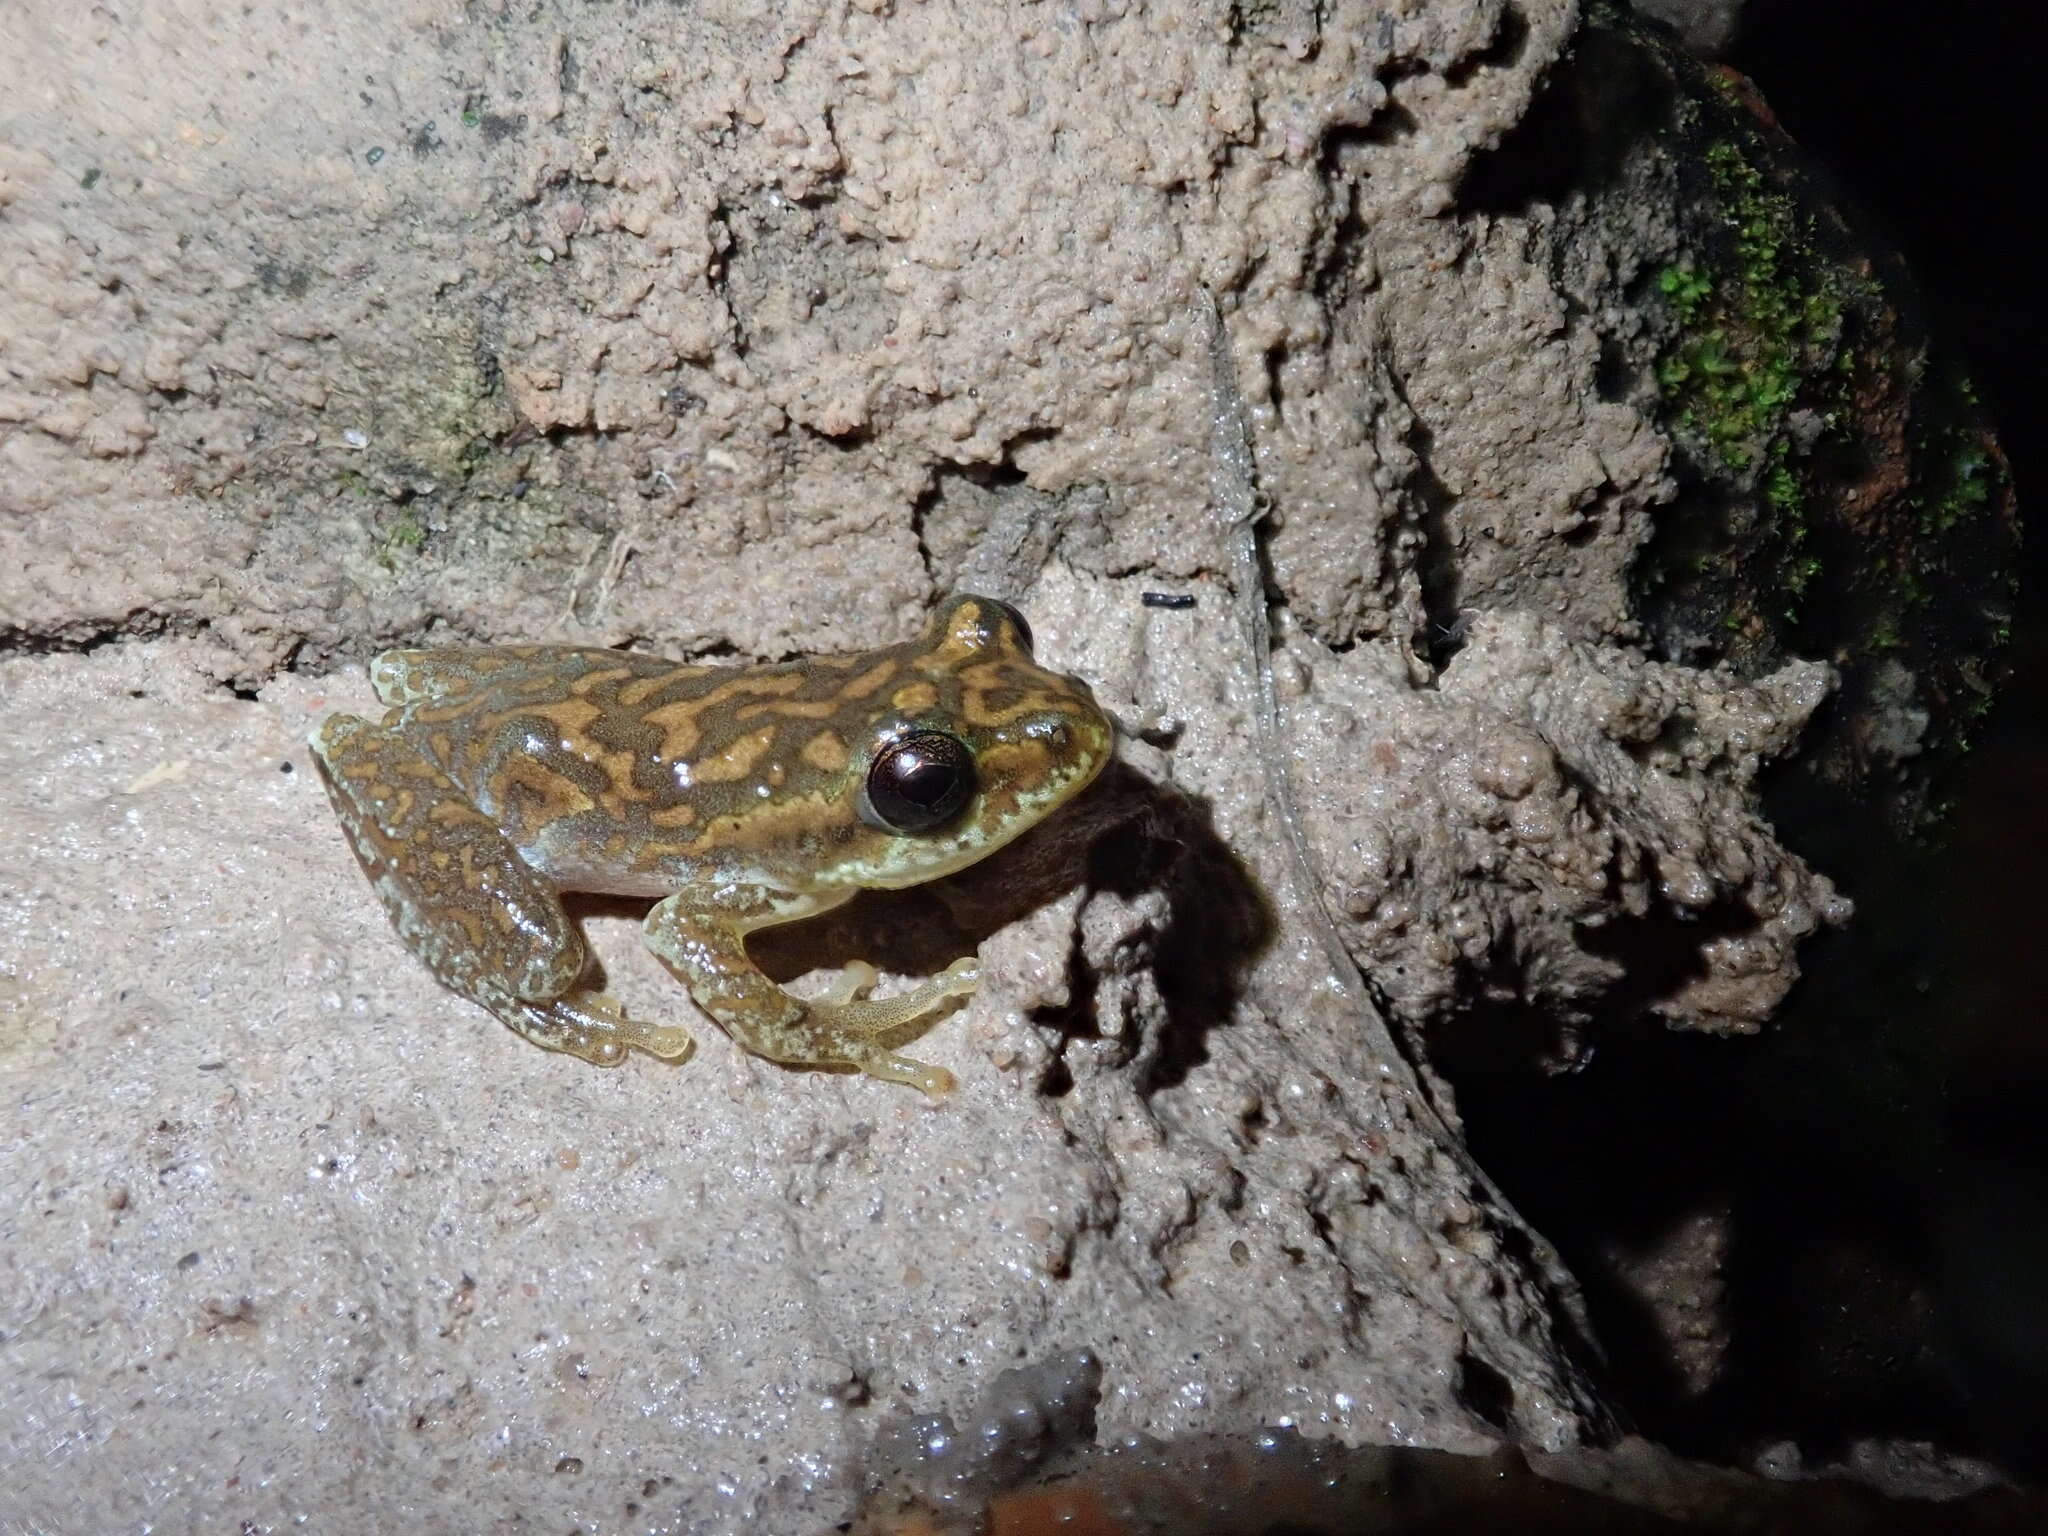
[740, 796]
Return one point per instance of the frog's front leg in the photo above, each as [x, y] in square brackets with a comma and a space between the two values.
[702, 935]
[464, 901]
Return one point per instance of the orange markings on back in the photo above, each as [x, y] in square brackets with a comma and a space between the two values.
[826, 752]
[791, 709]
[596, 676]
[869, 681]
[915, 698]
[736, 761]
[536, 795]
[569, 715]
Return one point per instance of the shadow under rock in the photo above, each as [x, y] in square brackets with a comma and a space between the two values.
[1152, 837]
[1814, 1280]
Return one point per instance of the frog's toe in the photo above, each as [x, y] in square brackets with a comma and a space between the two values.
[853, 985]
[663, 1042]
[933, 1082]
[595, 1027]
[858, 1018]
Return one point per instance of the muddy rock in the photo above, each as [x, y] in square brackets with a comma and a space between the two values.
[738, 333]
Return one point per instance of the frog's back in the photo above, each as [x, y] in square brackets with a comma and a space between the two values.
[605, 768]
[498, 676]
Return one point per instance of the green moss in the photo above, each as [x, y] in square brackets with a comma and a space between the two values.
[407, 535]
[1687, 290]
[1749, 343]
[431, 423]
[1759, 336]
[1781, 488]
[1962, 485]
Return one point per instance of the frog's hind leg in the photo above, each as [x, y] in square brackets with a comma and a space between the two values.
[466, 903]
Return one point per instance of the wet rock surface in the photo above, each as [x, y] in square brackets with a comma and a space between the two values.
[736, 335]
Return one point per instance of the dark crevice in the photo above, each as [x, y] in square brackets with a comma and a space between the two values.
[1483, 1389]
[1659, 955]
[1340, 247]
[1015, 441]
[1437, 566]
[1504, 52]
[1542, 159]
[1276, 394]
[921, 508]
[716, 650]
[723, 228]
[1597, 104]
[1723, 1167]
[846, 442]
[1253, 1124]
[1407, 67]
[1070, 1021]
[1057, 1080]
[145, 626]
[1616, 378]
[1347, 149]
[1325, 1234]
[21, 641]
[935, 501]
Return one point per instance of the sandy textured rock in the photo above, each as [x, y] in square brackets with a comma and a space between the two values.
[1583, 801]
[745, 332]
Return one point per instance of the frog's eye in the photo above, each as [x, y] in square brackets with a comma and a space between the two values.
[919, 784]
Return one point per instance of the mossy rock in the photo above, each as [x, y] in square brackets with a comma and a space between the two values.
[1840, 493]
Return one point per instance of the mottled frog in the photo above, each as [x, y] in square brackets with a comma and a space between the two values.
[743, 796]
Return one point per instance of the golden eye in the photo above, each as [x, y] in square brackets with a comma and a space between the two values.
[919, 784]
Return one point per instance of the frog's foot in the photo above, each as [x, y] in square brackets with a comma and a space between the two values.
[593, 1026]
[701, 936]
[855, 1024]
[849, 1012]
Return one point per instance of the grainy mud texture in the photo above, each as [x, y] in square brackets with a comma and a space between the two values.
[746, 331]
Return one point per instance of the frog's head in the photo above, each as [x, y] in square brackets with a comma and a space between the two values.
[973, 744]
